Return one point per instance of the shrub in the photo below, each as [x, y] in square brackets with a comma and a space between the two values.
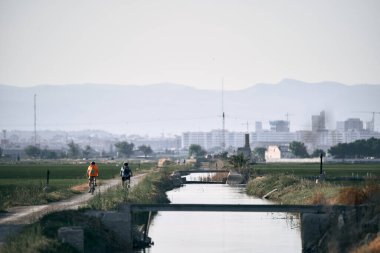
[351, 196]
[318, 198]
[372, 247]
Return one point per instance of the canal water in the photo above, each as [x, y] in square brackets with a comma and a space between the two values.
[222, 231]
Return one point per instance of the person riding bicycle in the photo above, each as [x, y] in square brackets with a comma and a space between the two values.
[92, 173]
[125, 173]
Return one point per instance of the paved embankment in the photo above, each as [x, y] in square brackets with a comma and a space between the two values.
[16, 217]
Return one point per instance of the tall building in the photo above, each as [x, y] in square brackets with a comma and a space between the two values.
[213, 139]
[340, 126]
[199, 138]
[258, 126]
[353, 124]
[266, 137]
[370, 126]
[318, 122]
[279, 126]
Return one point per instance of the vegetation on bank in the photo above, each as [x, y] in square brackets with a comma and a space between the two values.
[331, 170]
[296, 190]
[42, 235]
[291, 189]
[372, 247]
[25, 183]
[150, 190]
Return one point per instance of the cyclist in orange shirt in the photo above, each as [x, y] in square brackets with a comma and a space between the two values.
[92, 173]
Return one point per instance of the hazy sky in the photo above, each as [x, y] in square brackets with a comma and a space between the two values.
[195, 43]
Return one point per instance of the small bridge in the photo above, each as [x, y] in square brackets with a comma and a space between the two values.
[187, 172]
[178, 175]
[312, 216]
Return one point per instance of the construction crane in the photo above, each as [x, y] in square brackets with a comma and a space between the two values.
[287, 116]
[372, 126]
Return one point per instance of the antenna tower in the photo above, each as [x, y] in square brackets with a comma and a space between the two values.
[223, 126]
[35, 120]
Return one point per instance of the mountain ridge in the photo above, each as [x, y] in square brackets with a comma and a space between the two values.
[172, 108]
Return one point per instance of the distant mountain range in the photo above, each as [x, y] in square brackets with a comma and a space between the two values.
[172, 108]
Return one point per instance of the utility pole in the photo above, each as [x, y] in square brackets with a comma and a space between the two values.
[35, 120]
[223, 126]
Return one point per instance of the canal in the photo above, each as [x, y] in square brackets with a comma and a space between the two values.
[222, 231]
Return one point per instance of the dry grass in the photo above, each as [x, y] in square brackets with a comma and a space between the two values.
[318, 198]
[372, 247]
[372, 192]
[351, 196]
[219, 177]
[358, 195]
[294, 190]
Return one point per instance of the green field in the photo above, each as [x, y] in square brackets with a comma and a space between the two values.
[23, 183]
[331, 169]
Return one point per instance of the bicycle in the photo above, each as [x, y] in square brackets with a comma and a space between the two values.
[92, 185]
[127, 181]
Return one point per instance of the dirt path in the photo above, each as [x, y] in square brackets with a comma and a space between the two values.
[16, 217]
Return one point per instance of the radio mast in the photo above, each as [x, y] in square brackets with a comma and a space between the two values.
[223, 118]
[35, 120]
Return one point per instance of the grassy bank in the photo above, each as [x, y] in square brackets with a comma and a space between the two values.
[292, 189]
[42, 235]
[312, 169]
[24, 183]
[150, 190]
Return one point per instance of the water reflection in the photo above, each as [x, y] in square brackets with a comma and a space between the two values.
[222, 231]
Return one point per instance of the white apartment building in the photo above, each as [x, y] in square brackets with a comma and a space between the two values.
[266, 137]
[213, 139]
[354, 135]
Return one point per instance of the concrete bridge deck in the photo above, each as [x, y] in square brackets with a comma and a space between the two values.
[185, 172]
[233, 208]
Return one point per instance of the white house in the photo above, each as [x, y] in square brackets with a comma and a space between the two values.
[280, 154]
[272, 153]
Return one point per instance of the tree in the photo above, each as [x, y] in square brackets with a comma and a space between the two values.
[48, 154]
[298, 149]
[125, 148]
[147, 150]
[238, 161]
[87, 151]
[357, 149]
[1, 152]
[196, 150]
[318, 152]
[259, 154]
[33, 151]
[74, 150]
